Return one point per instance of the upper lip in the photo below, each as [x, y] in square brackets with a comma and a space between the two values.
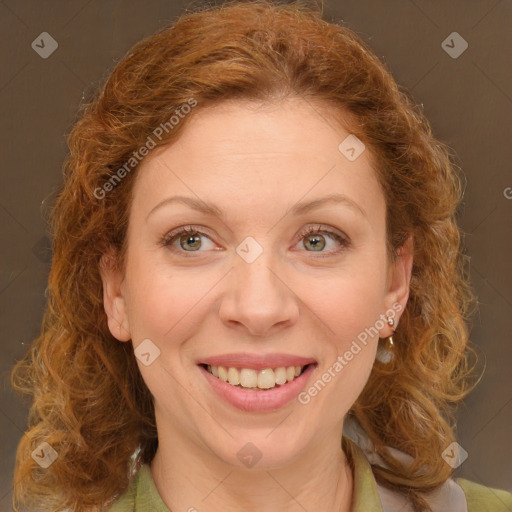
[256, 361]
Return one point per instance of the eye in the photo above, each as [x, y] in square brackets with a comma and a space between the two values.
[314, 238]
[186, 238]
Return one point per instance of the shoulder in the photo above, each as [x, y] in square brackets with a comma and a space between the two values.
[141, 495]
[126, 502]
[485, 499]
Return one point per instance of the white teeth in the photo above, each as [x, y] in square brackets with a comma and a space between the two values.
[233, 376]
[280, 375]
[266, 379]
[250, 378]
[223, 374]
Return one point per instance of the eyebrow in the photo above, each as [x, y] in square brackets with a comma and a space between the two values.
[298, 209]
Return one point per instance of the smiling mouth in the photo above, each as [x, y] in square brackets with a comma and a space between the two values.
[256, 380]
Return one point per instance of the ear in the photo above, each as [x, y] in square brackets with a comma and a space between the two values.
[113, 299]
[399, 279]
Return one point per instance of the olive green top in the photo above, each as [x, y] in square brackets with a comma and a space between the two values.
[142, 494]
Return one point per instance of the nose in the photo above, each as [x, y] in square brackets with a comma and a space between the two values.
[258, 297]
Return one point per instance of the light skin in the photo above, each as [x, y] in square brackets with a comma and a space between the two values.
[254, 164]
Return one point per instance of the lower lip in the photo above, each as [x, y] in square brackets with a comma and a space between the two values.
[260, 400]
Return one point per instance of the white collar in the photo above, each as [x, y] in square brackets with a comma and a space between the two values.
[449, 496]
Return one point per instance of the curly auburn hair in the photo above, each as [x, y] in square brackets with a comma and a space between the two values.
[89, 401]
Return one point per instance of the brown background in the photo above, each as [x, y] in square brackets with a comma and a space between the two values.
[468, 101]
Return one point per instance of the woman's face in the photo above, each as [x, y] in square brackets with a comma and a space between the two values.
[254, 286]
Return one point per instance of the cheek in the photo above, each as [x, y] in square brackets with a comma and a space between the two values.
[348, 301]
[160, 298]
[350, 307]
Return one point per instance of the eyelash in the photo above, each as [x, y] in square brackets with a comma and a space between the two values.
[168, 239]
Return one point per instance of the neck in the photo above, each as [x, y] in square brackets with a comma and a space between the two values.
[189, 477]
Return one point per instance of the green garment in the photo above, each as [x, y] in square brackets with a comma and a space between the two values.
[142, 494]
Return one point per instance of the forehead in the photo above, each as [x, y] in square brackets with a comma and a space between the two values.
[255, 129]
[241, 151]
